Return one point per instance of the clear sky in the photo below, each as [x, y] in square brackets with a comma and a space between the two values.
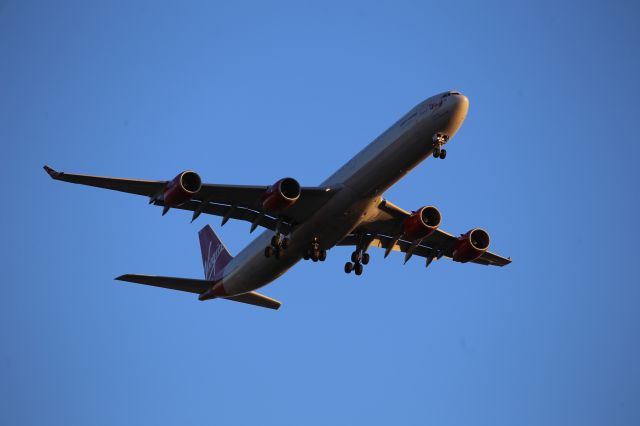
[248, 93]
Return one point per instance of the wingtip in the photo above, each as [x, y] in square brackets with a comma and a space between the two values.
[51, 172]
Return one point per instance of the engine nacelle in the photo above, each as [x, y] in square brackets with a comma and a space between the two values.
[181, 188]
[421, 223]
[282, 194]
[471, 245]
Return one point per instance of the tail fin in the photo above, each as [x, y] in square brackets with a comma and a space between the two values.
[215, 255]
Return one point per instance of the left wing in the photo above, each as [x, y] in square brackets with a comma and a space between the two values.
[386, 229]
[242, 202]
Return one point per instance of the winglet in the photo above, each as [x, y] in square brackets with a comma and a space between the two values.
[54, 174]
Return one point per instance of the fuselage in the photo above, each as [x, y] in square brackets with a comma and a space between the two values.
[358, 186]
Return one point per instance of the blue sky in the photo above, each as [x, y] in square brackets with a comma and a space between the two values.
[248, 93]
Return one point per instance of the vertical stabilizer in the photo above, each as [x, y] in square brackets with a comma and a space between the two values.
[215, 255]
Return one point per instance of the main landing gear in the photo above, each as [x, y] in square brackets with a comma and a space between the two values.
[358, 258]
[279, 243]
[439, 140]
[315, 252]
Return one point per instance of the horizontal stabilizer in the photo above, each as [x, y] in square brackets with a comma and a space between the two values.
[198, 287]
[253, 298]
[182, 284]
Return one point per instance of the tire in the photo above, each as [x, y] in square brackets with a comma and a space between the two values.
[358, 269]
[436, 153]
[285, 243]
[348, 267]
[274, 241]
[268, 251]
[315, 256]
[323, 256]
[443, 154]
[306, 255]
[365, 258]
[354, 257]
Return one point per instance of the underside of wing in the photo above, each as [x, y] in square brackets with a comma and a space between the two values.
[241, 202]
[386, 231]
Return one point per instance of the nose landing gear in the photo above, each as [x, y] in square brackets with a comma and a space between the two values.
[439, 140]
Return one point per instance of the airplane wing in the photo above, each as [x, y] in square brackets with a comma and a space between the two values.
[242, 202]
[383, 232]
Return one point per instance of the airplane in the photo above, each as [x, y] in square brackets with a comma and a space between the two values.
[347, 209]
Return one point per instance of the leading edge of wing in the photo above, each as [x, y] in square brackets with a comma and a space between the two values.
[132, 186]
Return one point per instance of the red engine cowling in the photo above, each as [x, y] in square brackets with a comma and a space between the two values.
[282, 194]
[181, 188]
[421, 223]
[471, 245]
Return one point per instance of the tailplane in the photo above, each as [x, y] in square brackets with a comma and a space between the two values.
[215, 255]
[199, 287]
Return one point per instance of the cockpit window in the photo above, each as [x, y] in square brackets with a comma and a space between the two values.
[450, 93]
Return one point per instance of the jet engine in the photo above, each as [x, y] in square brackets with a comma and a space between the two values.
[471, 245]
[421, 223]
[282, 194]
[181, 188]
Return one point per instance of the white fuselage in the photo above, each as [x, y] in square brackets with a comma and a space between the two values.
[359, 185]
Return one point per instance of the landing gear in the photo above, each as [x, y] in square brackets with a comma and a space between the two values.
[315, 253]
[359, 257]
[279, 243]
[439, 140]
[272, 251]
[355, 267]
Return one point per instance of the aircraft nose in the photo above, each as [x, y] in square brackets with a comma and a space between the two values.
[460, 104]
[457, 106]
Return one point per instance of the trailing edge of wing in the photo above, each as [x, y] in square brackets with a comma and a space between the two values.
[198, 286]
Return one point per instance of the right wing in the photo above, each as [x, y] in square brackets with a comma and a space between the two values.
[242, 202]
[198, 287]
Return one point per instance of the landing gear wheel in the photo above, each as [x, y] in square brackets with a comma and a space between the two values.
[358, 268]
[355, 257]
[268, 251]
[306, 255]
[443, 154]
[436, 153]
[315, 256]
[285, 243]
[323, 256]
[275, 241]
[365, 258]
[348, 267]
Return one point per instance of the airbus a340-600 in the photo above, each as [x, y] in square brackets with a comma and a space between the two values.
[347, 209]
